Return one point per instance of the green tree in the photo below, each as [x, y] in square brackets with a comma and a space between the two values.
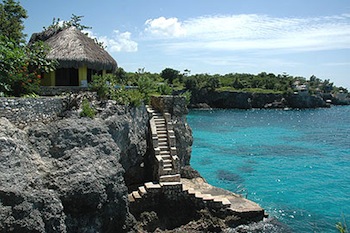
[192, 84]
[164, 89]
[170, 74]
[145, 86]
[237, 83]
[212, 83]
[12, 15]
[21, 67]
[121, 76]
[74, 21]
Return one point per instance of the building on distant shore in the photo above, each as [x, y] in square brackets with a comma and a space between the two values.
[79, 57]
[299, 88]
[341, 95]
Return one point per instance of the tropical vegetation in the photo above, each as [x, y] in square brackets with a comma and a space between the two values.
[21, 66]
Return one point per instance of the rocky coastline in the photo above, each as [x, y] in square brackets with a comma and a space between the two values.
[246, 100]
[60, 172]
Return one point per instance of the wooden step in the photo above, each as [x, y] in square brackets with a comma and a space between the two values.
[163, 140]
[159, 120]
[199, 195]
[165, 156]
[150, 185]
[163, 152]
[168, 160]
[170, 178]
[136, 195]
[131, 198]
[208, 197]
[170, 183]
[224, 201]
[142, 190]
[167, 165]
[162, 135]
[163, 148]
[191, 191]
[162, 143]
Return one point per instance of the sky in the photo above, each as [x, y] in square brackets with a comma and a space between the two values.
[298, 37]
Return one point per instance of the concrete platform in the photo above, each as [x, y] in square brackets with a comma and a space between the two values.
[234, 202]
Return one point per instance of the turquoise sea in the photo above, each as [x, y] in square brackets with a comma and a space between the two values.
[295, 163]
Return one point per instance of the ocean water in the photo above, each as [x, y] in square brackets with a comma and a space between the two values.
[295, 163]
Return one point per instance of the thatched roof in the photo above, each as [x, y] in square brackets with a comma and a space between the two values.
[73, 49]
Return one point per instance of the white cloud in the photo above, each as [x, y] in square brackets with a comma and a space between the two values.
[161, 26]
[119, 42]
[252, 32]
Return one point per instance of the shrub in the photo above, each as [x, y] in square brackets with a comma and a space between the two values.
[107, 87]
[135, 97]
[104, 85]
[87, 110]
[145, 86]
[164, 89]
[21, 67]
[170, 74]
[187, 95]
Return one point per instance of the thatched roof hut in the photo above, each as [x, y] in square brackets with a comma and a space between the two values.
[73, 49]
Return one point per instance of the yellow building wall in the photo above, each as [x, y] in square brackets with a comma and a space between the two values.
[83, 76]
[49, 79]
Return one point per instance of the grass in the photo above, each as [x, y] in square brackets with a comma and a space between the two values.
[87, 110]
[250, 90]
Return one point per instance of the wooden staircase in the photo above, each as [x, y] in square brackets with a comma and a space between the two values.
[167, 183]
[150, 190]
[164, 146]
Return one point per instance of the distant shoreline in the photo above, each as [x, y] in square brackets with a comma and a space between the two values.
[205, 99]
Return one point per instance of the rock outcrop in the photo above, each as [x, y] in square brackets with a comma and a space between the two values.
[68, 175]
[305, 101]
[73, 174]
[247, 100]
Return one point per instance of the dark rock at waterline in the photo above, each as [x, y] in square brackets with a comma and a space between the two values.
[227, 99]
[189, 173]
[305, 101]
[247, 100]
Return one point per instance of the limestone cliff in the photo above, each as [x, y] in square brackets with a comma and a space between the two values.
[247, 100]
[60, 172]
[68, 175]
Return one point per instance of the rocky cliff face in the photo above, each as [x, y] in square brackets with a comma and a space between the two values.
[72, 174]
[68, 175]
[246, 100]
